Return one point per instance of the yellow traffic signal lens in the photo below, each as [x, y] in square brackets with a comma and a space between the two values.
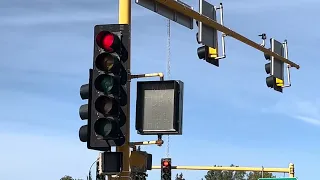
[106, 62]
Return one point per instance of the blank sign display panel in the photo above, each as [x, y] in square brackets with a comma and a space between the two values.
[159, 106]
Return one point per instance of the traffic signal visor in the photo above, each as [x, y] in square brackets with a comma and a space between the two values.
[274, 82]
[84, 112]
[205, 52]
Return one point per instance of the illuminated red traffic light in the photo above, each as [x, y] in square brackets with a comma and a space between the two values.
[165, 163]
[108, 41]
[166, 168]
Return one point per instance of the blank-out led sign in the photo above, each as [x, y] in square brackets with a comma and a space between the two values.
[159, 107]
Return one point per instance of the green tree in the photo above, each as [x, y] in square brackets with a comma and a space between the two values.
[100, 177]
[225, 175]
[257, 175]
[66, 177]
[179, 176]
[235, 175]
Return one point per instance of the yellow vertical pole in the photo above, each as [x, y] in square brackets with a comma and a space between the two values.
[291, 170]
[125, 18]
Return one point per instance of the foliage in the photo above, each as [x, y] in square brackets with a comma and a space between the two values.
[100, 177]
[235, 175]
[257, 175]
[138, 176]
[66, 177]
[179, 176]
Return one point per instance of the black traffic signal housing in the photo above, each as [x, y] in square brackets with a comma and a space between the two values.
[271, 81]
[84, 110]
[108, 94]
[208, 54]
[166, 169]
[275, 68]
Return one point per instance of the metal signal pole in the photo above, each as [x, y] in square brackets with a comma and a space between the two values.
[125, 18]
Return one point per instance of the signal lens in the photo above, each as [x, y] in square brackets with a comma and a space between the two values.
[107, 84]
[103, 126]
[107, 41]
[106, 62]
[166, 176]
[165, 163]
[166, 170]
[104, 105]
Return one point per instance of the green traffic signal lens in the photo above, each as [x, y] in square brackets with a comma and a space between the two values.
[104, 83]
[107, 84]
[103, 126]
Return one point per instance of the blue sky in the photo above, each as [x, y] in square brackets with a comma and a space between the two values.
[46, 51]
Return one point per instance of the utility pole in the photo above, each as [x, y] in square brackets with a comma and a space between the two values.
[125, 18]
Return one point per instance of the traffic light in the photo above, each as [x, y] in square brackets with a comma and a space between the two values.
[275, 67]
[106, 92]
[84, 110]
[207, 35]
[166, 169]
[208, 54]
[109, 79]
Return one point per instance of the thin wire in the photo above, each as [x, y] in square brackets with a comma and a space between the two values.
[91, 167]
[168, 51]
[168, 72]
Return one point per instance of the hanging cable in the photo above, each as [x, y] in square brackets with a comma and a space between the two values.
[91, 168]
[168, 72]
[168, 50]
